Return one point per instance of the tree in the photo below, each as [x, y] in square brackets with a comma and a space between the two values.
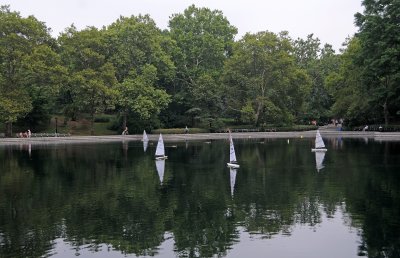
[19, 38]
[139, 51]
[133, 43]
[138, 94]
[44, 76]
[92, 78]
[95, 91]
[318, 63]
[345, 85]
[379, 34]
[204, 40]
[262, 71]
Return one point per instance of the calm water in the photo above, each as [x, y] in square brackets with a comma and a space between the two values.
[106, 200]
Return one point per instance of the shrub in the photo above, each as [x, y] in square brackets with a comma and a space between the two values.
[102, 119]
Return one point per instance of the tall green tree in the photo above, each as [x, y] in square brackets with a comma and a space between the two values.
[379, 34]
[204, 39]
[140, 53]
[18, 41]
[135, 42]
[139, 95]
[318, 62]
[45, 75]
[262, 76]
[345, 85]
[91, 88]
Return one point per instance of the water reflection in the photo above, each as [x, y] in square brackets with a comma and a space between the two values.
[160, 165]
[319, 159]
[232, 174]
[91, 199]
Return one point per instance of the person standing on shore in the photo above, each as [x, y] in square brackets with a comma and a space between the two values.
[29, 133]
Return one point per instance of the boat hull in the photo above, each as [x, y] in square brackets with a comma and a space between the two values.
[233, 165]
[322, 149]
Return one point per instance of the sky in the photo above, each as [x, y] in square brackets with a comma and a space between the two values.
[332, 21]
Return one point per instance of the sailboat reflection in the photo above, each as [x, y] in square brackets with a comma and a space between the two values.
[160, 165]
[319, 159]
[233, 179]
[145, 140]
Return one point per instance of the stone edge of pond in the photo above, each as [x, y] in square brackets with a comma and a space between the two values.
[200, 137]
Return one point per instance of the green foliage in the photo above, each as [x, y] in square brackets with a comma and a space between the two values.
[134, 43]
[247, 113]
[103, 118]
[204, 41]
[350, 101]
[379, 35]
[195, 73]
[23, 41]
[44, 75]
[139, 51]
[92, 78]
[13, 105]
[139, 95]
[262, 70]
[318, 63]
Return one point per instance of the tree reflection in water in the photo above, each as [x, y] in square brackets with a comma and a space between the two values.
[104, 198]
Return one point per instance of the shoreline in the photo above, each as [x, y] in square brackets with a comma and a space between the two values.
[391, 136]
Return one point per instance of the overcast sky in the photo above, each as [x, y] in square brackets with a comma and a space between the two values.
[329, 20]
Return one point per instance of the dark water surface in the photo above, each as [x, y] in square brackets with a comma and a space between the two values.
[106, 200]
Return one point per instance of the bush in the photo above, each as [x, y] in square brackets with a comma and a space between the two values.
[102, 119]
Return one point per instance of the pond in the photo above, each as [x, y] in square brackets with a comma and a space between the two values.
[112, 200]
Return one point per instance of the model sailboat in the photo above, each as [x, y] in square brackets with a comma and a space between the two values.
[232, 155]
[319, 143]
[160, 151]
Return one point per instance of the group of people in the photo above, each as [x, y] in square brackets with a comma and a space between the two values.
[26, 134]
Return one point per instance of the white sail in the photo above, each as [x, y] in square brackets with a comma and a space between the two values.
[233, 179]
[160, 165]
[319, 143]
[232, 154]
[145, 138]
[319, 159]
[160, 151]
[145, 145]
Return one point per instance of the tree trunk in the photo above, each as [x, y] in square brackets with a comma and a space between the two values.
[92, 124]
[9, 129]
[386, 113]
[124, 120]
[259, 109]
